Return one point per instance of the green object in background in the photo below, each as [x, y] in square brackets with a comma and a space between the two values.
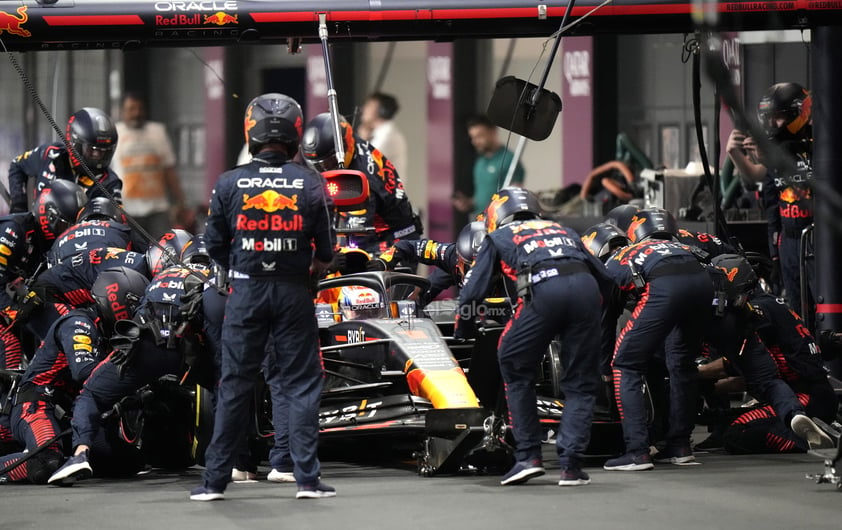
[489, 172]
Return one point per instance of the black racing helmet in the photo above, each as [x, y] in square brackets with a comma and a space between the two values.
[57, 207]
[173, 242]
[790, 103]
[652, 223]
[273, 118]
[118, 293]
[101, 208]
[163, 300]
[621, 216]
[467, 244]
[739, 277]
[602, 239]
[93, 136]
[195, 253]
[317, 145]
[511, 204]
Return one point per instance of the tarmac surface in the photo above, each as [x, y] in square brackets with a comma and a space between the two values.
[722, 491]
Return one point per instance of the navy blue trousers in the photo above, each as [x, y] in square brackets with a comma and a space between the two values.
[673, 311]
[281, 314]
[568, 306]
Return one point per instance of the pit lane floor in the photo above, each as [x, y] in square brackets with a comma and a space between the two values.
[724, 491]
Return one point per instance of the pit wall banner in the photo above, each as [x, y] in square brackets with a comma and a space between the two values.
[577, 111]
[439, 141]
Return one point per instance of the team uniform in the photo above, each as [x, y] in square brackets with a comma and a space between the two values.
[565, 301]
[48, 162]
[46, 392]
[89, 235]
[70, 281]
[782, 365]
[788, 201]
[674, 301]
[388, 209]
[267, 220]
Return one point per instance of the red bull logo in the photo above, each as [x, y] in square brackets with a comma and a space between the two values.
[730, 273]
[587, 240]
[249, 121]
[220, 18]
[13, 25]
[491, 211]
[791, 194]
[270, 222]
[633, 226]
[270, 201]
[788, 195]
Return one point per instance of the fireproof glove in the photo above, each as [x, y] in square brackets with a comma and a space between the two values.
[465, 329]
[375, 264]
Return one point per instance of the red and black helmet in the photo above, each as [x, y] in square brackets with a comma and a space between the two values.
[118, 293]
[93, 136]
[652, 223]
[101, 208]
[317, 146]
[511, 204]
[467, 244]
[785, 112]
[57, 206]
[621, 216]
[168, 250]
[739, 278]
[273, 118]
[602, 239]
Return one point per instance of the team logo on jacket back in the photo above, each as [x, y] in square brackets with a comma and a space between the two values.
[270, 201]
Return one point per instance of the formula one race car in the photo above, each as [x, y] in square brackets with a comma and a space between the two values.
[391, 372]
[393, 369]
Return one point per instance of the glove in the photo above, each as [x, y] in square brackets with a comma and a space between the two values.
[30, 303]
[191, 300]
[339, 263]
[376, 264]
[775, 276]
[124, 342]
[465, 329]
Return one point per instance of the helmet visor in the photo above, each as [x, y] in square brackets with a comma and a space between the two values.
[321, 165]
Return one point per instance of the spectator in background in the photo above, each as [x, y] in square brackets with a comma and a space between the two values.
[490, 168]
[145, 160]
[377, 119]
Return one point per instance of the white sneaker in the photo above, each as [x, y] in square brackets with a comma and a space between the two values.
[807, 429]
[281, 476]
[241, 477]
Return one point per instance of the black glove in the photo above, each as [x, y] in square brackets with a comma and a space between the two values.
[375, 264]
[464, 330]
[191, 300]
[124, 344]
[339, 263]
[30, 303]
[775, 278]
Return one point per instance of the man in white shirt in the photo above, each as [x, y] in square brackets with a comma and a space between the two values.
[377, 117]
[145, 160]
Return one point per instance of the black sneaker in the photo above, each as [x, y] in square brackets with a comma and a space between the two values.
[523, 471]
[629, 462]
[675, 455]
[573, 476]
[76, 468]
[319, 490]
[206, 493]
[711, 443]
[807, 429]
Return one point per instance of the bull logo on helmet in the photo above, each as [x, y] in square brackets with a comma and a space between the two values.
[491, 213]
